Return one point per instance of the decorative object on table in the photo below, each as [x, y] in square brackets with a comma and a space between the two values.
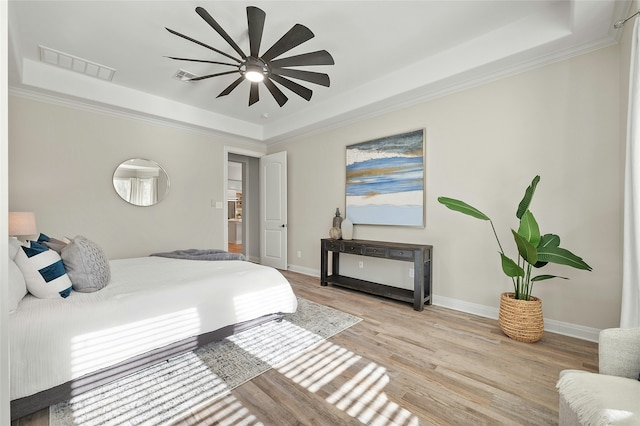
[534, 251]
[347, 229]
[335, 233]
[337, 219]
[385, 180]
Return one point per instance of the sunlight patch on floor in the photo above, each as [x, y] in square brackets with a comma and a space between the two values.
[362, 397]
[141, 396]
[226, 411]
[319, 366]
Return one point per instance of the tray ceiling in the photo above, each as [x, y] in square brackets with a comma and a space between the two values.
[388, 54]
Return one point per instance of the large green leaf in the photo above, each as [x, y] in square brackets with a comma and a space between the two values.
[561, 256]
[528, 196]
[546, 277]
[549, 240]
[462, 207]
[529, 229]
[511, 268]
[525, 248]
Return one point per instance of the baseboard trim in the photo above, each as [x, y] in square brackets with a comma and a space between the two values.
[305, 271]
[553, 326]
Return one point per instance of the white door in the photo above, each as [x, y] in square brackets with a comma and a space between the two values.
[273, 210]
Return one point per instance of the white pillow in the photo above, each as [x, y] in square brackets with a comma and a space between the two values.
[14, 245]
[43, 272]
[17, 286]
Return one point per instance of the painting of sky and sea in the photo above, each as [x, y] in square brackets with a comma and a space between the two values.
[385, 181]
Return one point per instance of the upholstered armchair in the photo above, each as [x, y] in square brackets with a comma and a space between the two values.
[611, 397]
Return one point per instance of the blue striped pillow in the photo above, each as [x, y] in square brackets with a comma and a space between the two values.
[43, 271]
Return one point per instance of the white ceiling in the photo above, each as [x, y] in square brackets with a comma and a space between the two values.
[388, 54]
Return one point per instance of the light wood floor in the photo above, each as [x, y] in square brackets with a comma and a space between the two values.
[401, 367]
[235, 248]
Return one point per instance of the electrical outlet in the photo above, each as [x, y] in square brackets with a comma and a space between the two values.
[361, 264]
[411, 272]
[299, 254]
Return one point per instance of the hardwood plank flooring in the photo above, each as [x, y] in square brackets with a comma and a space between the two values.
[401, 367]
[235, 248]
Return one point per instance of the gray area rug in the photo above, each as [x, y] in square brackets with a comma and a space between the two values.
[164, 392]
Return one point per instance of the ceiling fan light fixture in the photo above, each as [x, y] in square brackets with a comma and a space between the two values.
[254, 74]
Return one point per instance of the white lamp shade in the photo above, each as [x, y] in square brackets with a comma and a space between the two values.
[22, 223]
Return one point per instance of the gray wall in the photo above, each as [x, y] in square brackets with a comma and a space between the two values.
[61, 162]
[484, 146]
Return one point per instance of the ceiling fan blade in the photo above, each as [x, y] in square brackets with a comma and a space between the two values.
[310, 76]
[320, 57]
[297, 35]
[209, 19]
[202, 44]
[255, 21]
[201, 60]
[293, 86]
[232, 86]
[203, 77]
[253, 93]
[277, 94]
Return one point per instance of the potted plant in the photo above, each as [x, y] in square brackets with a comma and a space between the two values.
[534, 251]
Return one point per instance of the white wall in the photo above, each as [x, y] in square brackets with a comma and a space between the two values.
[4, 276]
[484, 146]
[61, 161]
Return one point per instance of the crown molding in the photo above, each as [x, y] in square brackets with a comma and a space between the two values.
[465, 81]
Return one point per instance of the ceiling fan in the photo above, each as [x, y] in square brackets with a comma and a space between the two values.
[265, 68]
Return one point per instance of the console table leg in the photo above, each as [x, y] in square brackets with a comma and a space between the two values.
[418, 282]
[324, 260]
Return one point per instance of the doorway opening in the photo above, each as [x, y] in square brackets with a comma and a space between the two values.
[235, 183]
[256, 177]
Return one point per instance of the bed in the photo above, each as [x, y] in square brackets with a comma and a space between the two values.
[152, 309]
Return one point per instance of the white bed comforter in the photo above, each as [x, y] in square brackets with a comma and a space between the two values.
[149, 303]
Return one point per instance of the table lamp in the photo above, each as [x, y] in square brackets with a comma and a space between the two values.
[22, 224]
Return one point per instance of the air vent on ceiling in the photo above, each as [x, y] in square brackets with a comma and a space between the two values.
[183, 75]
[73, 63]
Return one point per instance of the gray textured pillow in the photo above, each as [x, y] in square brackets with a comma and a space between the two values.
[55, 245]
[86, 264]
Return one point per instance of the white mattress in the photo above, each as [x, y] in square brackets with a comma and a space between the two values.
[149, 303]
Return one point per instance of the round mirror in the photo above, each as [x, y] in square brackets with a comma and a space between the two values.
[141, 182]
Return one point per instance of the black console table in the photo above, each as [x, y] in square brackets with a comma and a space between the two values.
[420, 255]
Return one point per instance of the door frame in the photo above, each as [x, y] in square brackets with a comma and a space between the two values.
[225, 212]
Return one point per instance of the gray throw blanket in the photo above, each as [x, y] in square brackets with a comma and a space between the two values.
[199, 254]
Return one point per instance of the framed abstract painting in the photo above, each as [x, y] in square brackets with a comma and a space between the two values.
[385, 180]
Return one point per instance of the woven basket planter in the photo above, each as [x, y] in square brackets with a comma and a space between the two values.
[521, 319]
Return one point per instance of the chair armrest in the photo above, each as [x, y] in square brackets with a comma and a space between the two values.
[619, 352]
